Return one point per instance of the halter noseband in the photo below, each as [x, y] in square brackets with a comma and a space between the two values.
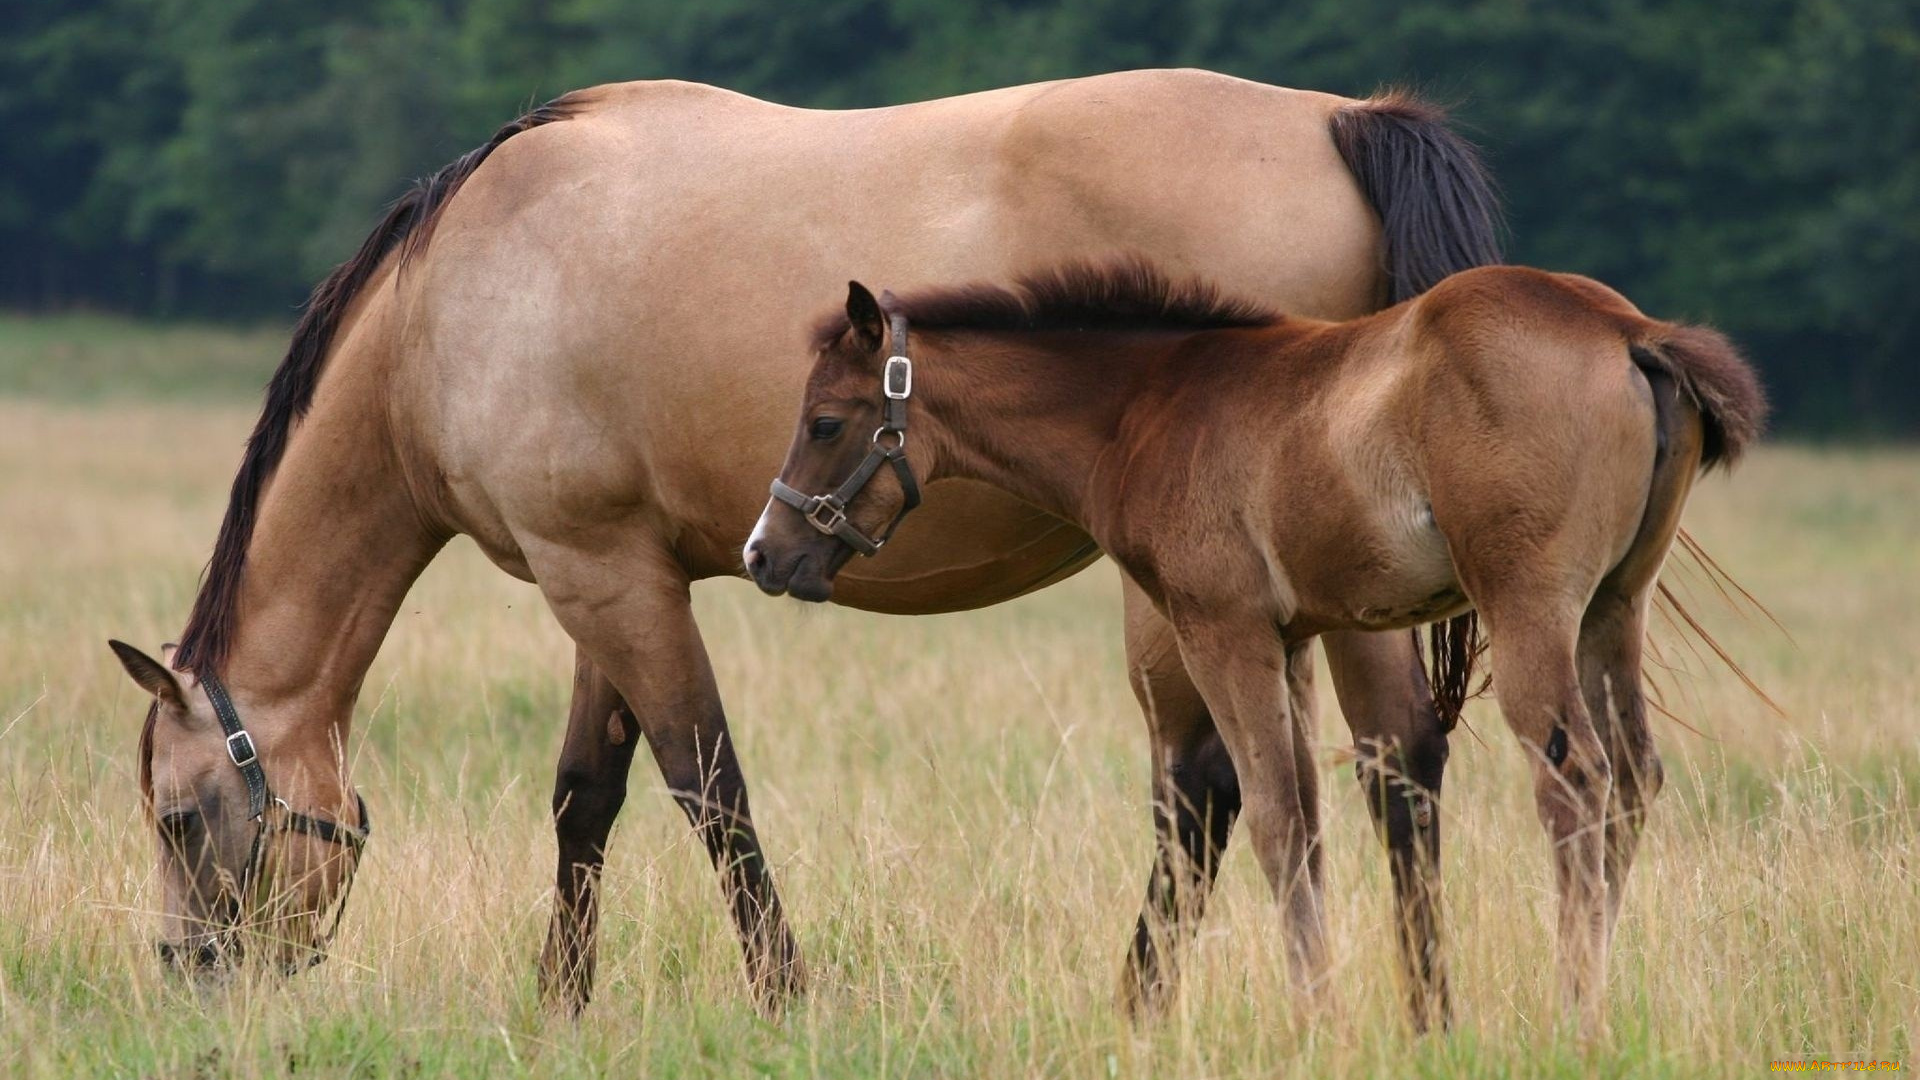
[246, 757]
[828, 513]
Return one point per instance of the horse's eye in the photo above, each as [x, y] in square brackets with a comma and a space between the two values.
[826, 427]
[178, 826]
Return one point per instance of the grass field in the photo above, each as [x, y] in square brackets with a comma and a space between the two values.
[962, 848]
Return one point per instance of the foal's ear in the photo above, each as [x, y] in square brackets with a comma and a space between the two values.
[151, 674]
[863, 315]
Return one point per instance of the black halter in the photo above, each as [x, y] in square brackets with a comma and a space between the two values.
[828, 513]
[260, 798]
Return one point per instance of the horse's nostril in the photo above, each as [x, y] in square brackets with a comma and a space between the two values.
[755, 559]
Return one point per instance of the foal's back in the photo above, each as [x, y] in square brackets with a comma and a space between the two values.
[1506, 402]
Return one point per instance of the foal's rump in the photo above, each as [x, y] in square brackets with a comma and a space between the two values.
[1552, 409]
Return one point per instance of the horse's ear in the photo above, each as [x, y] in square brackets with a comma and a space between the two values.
[863, 316]
[151, 674]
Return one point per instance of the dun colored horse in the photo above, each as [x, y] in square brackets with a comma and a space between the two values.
[524, 352]
[1514, 441]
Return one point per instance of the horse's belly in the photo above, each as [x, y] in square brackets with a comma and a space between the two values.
[969, 546]
[1391, 571]
[616, 307]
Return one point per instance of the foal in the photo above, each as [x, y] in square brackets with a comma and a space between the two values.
[1513, 441]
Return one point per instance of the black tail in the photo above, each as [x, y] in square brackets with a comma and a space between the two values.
[1439, 214]
[1438, 208]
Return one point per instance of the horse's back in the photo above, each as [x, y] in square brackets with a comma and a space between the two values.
[612, 312]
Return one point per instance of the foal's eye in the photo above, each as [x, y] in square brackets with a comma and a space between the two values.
[826, 427]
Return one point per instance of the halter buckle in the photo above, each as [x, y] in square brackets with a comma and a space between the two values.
[897, 381]
[837, 512]
[241, 758]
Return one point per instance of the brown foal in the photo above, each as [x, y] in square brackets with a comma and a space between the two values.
[1513, 441]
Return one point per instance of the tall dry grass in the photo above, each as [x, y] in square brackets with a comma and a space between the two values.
[956, 807]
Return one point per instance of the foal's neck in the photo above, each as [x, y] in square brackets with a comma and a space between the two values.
[1031, 413]
[337, 542]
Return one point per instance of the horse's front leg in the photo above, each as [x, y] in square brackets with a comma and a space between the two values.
[1240, 665]
[1196, 798]
[590, 785]
[626, 602]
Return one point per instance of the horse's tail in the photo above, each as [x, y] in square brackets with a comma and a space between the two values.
[1439, 214]
[1693, 365]
[1439, 210]
[1710, 371]
[405, 227]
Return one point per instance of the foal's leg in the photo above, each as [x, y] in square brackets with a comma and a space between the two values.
[1196, 797]
[1613, 633]
[1610, 641]
[1402, 746]
[1240, 666]
[590, 785]
[1535, 678]
[628, 607]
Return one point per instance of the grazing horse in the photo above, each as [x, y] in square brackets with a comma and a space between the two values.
[1512, 440]
[524, 352]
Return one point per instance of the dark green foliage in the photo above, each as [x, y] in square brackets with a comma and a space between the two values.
[1756, 166]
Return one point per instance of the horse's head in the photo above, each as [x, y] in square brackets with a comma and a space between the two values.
[846, 483]
[247, 868]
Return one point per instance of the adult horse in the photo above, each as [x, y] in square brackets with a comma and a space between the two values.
[525, 351]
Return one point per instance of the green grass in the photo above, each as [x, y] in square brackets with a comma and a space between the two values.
[93, 357]
[958, 819]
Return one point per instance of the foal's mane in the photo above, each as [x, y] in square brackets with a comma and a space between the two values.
[1123, 293]
[407, 226]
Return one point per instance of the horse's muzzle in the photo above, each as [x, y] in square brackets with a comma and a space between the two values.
[806, 576]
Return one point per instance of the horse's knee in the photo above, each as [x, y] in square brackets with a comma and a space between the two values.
[1401, 779]
[1424, 757]
[1639, 779]
[586, 800]
[1207, 771]
[1573, 780]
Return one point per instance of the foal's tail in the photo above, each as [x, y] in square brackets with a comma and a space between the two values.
[1710, 371]
[1439, 214]
[1696, 366]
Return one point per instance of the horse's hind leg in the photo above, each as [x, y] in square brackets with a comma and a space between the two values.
[590, 784]
[1610, 642]
[1535, 678]
[1613, 633]
[628, 607]
[1402, 746]
[1196, 797]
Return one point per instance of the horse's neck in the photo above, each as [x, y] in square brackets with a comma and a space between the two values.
[1031, 414]
[338, 540]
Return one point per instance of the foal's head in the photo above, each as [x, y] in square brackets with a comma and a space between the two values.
[846, 483]
[234, 884]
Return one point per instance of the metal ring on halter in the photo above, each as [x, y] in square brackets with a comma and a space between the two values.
[896, 386]
[245, 755]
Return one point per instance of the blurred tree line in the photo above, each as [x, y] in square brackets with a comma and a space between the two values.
[1753, 164]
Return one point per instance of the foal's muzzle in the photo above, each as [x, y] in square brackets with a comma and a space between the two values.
[827, 512]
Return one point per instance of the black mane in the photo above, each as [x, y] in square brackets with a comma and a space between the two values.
[407, 225]
[1126, 293]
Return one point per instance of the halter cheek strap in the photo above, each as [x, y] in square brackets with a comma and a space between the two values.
[246, 758]
[828, 513]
